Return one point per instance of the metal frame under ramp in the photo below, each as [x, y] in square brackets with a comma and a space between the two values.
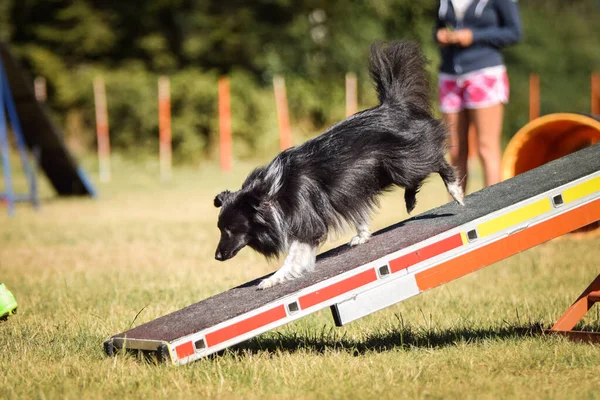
[8, 112]
[398, 262]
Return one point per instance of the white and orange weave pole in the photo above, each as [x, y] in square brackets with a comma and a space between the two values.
[595, 93]
[398, 262]
[283, 118]
[225, 125]
[534, 96]
[351, 94]
[164, 126]
[39, 88]
[102, 129]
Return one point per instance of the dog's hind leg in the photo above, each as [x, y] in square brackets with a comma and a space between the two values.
[410, 197]
[300, 259]
[452, 183]
[363, 234]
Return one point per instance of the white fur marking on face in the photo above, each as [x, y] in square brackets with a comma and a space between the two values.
[300, 259]
[363, 234]
[456, 192]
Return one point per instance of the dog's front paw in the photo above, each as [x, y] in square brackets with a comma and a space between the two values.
[359, 239]
[268, 283]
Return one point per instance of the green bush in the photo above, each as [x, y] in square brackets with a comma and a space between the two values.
[71, 43]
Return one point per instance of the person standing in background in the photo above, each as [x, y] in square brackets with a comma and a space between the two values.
[473, 83]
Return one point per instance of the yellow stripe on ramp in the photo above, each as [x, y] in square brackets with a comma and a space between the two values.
[581, 190]
[514, 217]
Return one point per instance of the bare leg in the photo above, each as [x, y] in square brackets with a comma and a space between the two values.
[458, 125]
[300, 259]
[363, 234]
[488, 123]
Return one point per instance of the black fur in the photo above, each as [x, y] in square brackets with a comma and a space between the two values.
[335, 178]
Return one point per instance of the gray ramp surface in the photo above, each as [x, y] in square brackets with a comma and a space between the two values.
[41, 135]
[246, 297]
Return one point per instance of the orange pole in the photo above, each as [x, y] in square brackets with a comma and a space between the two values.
[285, 136]
[534, 96]
[164, 127]
[351, 94]
[595, 93]
[102, 129]
[225, 124]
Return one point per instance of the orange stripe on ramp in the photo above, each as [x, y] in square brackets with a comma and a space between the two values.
[509, 246]
[425, 253]
[244, 326]
[184, 350]
[338, 288]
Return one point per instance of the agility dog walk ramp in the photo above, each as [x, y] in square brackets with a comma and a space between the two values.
[397, 263]
[41, 136]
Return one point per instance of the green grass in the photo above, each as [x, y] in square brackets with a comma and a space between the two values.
[83, 269]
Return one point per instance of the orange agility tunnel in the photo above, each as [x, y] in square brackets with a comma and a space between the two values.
[548, 138]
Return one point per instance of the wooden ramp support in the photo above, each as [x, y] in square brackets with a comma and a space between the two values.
[398, 262]
[564, 326]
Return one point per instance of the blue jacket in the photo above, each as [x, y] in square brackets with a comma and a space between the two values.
[494, 23]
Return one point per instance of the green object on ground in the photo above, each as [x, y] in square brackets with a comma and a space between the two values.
[8, 303]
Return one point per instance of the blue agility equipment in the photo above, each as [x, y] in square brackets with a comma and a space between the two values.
[7, 106]
[41, 136]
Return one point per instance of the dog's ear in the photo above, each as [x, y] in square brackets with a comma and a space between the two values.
[251, 199]
[222, 198]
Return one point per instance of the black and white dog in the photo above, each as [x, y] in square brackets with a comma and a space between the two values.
[333, 180]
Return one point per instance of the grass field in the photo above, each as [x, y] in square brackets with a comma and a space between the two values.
[83, 269]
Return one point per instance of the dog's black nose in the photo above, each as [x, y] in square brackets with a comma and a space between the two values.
[219, 256]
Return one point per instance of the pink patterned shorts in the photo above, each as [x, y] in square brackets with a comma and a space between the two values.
[478, 89]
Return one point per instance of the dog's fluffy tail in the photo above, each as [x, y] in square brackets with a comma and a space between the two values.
[398, 71]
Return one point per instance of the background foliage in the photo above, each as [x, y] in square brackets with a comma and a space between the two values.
[313, 44]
